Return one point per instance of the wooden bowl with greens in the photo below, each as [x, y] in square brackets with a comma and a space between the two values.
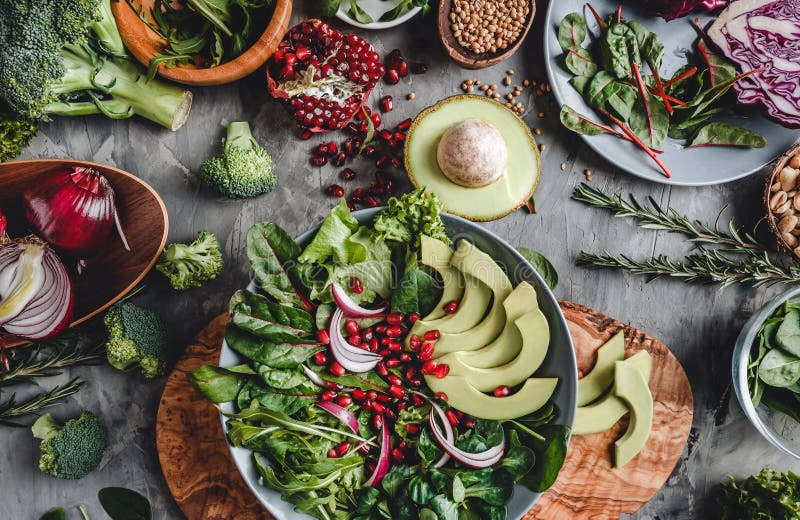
[195, 43]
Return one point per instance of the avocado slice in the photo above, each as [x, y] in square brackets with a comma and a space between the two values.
[508, 344]
[470, 312]
[535, 339]
[606, 411]
[631, 387]
[463, 396]
[436, 254]
[473, 262]
[489, 202]
[593, 384]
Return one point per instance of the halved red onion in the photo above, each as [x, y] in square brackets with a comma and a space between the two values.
[340, 413]
[480, 460]
[382, 466]
[352, 358]
[350, 307]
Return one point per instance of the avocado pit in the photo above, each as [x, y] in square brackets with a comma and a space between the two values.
[472, 153]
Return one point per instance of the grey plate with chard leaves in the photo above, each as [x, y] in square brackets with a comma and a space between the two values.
[560, 361]
[689, 167]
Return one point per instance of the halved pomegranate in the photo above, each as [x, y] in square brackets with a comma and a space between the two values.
[322, 75]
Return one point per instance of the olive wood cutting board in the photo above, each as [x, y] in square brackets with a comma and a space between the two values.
[206, 484]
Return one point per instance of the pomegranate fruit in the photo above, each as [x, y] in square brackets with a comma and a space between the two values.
[322, 75]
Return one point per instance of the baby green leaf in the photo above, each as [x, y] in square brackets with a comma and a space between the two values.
[579, 62]
[779, 368]
[329, 7]
[788, 334]
[124, 504]
[270, 249]
[358, 14]
[218, 384]
[417, 291]
[57, 513]
[618, 50]
[572, 31]
[720, 133]
[579, 123]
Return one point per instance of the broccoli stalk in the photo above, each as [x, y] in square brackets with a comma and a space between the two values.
[191, 265]
[244, 169]
[137, 337]
[106, 33]
[73, 449]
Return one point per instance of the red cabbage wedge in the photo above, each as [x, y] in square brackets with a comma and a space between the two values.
[764, 33]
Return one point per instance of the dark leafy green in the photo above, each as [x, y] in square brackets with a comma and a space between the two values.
[56, 513]
[767, 496]
[272, 354]
[550, 455]
[271, 251]
[541, 264]
[268, 320]
[417, 291]
[124, 504]
[619, 49]
[721, 133]
[287, 401]
[218, 384]
[330, 7]
[572, 31]
[579, 61]
[358, 14]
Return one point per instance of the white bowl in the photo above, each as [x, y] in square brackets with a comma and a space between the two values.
[375, 8]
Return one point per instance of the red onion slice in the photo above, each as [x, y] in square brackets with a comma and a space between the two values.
[382, 466]
[313, 376]
[340, 413]
[350, 307]
[351, 358]
[481, 460]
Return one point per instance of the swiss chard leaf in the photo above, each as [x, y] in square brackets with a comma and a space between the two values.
[269, 353]
[541, 264]
[572, 31]
[650, 47]
[417, 291]
[658, 121]
[268, 320]
[124, 504]
[721, 133]
[365, 381]
[219, 384]
[579, 61]
[281, 378]
[619, 49]
[579, 83]
[285, 401]
[271, 250]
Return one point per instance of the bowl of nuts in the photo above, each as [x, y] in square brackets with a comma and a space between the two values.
[782, 197]
[481, 34]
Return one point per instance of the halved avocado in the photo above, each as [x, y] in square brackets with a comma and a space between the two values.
[463, 396]
[606, 411]
[475, 263]
[490, 202]
[437, 254]
[535, 340]
[593, 384]
[631, 387]
[508, 344]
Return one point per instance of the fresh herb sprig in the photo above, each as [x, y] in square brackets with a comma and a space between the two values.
[47, 359]
[11, 410]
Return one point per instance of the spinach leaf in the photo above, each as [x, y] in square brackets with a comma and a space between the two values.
[57, 513]
[459, 491]
[720, 133]
[124, 504]
[427, 450]
[358, 14]
[518, 461]
[444, 508]
[392, 482]
[271, 250]
[367, 499]
[783, 401]
[271, 354]
[218, 384]
[619, 49]
[540, 262]
[550, 455]
[580, 62]
[287, 401]
[438, 480]
[417, 291]
[495, 490]
[572, 31]
[779, 368]
[268, 320]
[330, 7]
[404, 507]
[788, 333]
[419, 490]
[650, 47]
[486, 511]
[393, 13]
[491, 431]
[281, 378]
[427, 514]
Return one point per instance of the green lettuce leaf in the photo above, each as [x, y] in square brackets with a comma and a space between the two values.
[331, 239]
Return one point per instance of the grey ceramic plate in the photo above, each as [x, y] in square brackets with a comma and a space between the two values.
[560, 361]
[689, 167]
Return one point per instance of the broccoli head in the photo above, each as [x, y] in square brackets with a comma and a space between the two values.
[191, 265]
[244, 169]
[137, 336]
[70, 450]
[15, 133]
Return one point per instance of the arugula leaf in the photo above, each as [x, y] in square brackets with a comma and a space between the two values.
[541, 264]
[270, 250]
[268, 320]
[269, 353]
[417, 291]
[218, 384]
[768, 495]
[571, 31]
[720, 133]
[124, 504]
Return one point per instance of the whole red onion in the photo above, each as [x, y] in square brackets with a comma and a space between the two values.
[73, 210]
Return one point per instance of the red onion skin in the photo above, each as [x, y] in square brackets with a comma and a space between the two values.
[72, 210]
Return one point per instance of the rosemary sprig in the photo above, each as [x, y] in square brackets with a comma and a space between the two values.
[655, 217]
[47, 359]
[11, 409]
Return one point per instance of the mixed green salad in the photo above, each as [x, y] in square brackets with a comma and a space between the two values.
[334, 395]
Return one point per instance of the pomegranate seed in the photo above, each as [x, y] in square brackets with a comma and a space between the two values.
[452, 418]
[364, 128]
[357, 194]
[354, 339]
[376, 119]
[441, 371]
[358, 394]
[377, 190]
[380, 329]
[398, 455]
[322, 149]
[332, 453]
[355, 285]
[351, 327]
[402, 405]
[373, 344]
[306, 135]
[426, 351]
[279, 55]
[371, 202]
[319, 160]
[402, 445]
[353, 129]
[450, 307]
[339, 159]
[413, 429]
[431, 335]
[441, 395]
[384, 352]
[392, 363]
[343, 448]
[378, 408]
[394, 331]
[391, 415]
[385, 134]
[333, 149]
[333, 385]
[335, 190]
[418, 68]
[377, 422]
[370, 152]
[404, 125]
[402, 69]
[397, 391]
[336, 369]
[399, 136]
[364, 450]
[501, 391]
[395, 346]
[361, 116]
[302, 52]
[428, 367]
[394, 318]
[405, 357]
[366, 405]
[394, 380]
[411, 373]
[327, 395]
[414, 342]
[350, 206]
[287, 72]
[417, 400]
[349, 148]
[384, 398]
[344, 400]
[323, 337]
[386, 104]
[381, 161]
[415, 382]
[372, 395]
[381, 369]
[320, 359]
[391, 77]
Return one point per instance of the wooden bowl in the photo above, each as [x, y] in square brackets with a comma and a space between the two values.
[143, 43]
[771, 191]
[471, 60]
[113, 272]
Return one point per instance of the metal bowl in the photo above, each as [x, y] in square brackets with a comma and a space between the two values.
[780, 430]
[560, 360]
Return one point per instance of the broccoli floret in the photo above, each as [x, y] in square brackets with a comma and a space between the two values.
[191, 265]
[70, 450]
[15, 133]
[137, 336]
[66, 57]
[244, 169]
